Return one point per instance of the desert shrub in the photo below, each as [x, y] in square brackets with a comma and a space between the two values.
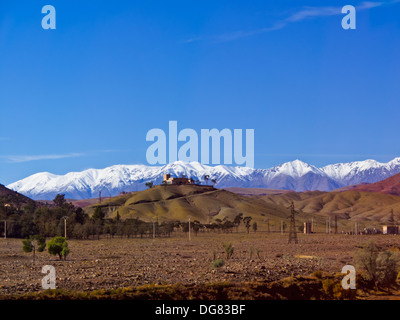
[333, 289]
[229, 249]
[58, 246]
[387, 268]
[253, 251]
[218, 263]
[317, 274]
[365, 259]
[327, 287]
[381, 268]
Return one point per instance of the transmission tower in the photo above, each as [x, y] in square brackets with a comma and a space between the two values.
[292, 228]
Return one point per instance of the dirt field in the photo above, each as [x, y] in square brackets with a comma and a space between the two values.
[115, 263]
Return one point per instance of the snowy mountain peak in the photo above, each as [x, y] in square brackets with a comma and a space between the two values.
[294, 175]
[296, 168]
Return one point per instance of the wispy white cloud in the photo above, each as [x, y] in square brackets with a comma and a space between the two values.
[109, 150]
[28, 158]
[298, 16]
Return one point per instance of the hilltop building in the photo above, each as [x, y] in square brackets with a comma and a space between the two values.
[177, 181]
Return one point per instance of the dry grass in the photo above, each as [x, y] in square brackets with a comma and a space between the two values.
[111, 264]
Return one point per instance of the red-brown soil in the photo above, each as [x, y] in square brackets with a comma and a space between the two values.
[389, 186]
[109, 264]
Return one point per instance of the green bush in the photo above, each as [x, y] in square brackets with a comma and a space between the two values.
[58, 246]
[33, 244]
[218, 263]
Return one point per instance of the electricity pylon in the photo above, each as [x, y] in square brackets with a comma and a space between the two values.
[292, 228]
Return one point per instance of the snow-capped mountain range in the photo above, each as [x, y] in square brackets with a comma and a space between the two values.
[295, 175]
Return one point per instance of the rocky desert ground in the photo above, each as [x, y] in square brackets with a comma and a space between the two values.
[116, 263]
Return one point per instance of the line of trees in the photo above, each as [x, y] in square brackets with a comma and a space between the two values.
[47, 221]
[225, 225]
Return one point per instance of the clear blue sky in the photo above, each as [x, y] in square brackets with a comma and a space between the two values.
[85, 95]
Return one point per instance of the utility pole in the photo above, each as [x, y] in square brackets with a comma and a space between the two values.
[154, 230]
[328, 225]
[292, 229]
[189, 229]
[312, 224]
[65, 227]
[6, 206]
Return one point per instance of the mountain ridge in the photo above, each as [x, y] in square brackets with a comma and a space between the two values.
[11, 197]
[390, 185]
[295, 175]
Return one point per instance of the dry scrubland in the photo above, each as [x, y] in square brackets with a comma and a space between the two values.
[115, 263]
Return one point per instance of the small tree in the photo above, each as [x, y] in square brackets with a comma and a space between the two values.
[380, 267]
[247, 221]
[196, 227]
[34, 243]
[365, 259]
[98, 214]
[237, 221]
[58, 246]
[60, 201]
[387, 267]
[255, 226]
[149, 184]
